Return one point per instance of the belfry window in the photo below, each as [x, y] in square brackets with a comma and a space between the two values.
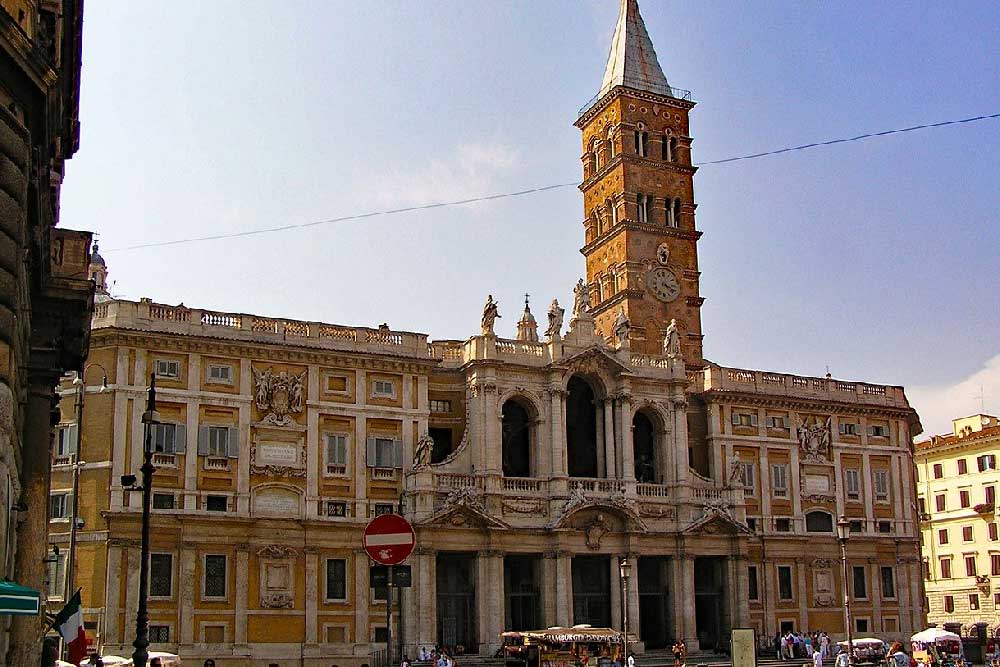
[612, 212]
[611, 144]
[641, 143]
[643, 206]
[676, 214]
[671, 149]
[667, 148]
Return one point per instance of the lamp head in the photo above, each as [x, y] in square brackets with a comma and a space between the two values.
[843, 527]
[104, 384]
[128, 480]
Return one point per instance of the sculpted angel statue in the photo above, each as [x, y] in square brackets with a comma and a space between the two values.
[581, 299]
[422, 452]
[490, 315]
[672, 341]
[555, 318]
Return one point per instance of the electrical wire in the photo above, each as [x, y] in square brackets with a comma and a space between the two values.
[521, 193]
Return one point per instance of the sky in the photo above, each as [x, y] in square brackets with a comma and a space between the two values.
[876, 258]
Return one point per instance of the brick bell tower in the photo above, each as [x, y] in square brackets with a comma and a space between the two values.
[638, 197]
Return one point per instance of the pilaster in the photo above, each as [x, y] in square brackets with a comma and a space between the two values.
[869, 492]
[187, 587]
[112, 596]
[361, 598]
[616, 592]
[242, 589]
[557, 398]
[564, 589]
[312, 594]
[191, 455]
[243, 462]
[609, 438]
[313, 457]
[627, 450]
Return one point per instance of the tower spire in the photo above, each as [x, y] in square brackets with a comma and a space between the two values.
[632, 61]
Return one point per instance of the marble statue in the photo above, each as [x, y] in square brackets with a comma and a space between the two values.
[490, 315]
[555, 319]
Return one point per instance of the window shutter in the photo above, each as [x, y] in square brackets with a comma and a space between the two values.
[753, 418]
[73, 442]
[735, 418]
[370, 453]
[233, 442]
[340, 450]
[202, 441]
[180, 438]
[397, 450]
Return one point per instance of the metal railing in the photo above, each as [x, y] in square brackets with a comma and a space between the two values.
[636, 84]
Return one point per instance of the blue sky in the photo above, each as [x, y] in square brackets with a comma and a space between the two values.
[877, 258]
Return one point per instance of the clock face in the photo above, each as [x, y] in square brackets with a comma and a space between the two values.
[663, 284]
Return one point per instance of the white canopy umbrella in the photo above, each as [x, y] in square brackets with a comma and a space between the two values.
[166, 659]
[864, 641]
[109, 661]
[931, 635]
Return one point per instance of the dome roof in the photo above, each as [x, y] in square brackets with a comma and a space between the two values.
[95, 257]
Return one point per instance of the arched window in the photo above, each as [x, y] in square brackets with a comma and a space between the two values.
[515, 439]
[672, 149]
[666, 146]
[595, 156]
[613, 212]
[641, 143]
[611, 143]
[581, 429]
[600, 288]
[819, 522]
[676, 217]
[643, 206]
[644, 449]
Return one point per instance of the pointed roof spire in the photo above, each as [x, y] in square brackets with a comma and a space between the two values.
[632, 61]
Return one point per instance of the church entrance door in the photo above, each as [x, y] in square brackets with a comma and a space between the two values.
[654, 615]
[456, 601]
[709, 611]
[520, 584]
[592, 591]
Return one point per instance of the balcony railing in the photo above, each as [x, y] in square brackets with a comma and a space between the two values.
[645, 86]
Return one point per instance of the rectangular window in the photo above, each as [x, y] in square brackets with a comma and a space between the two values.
[949, 604]
[220, 374]
[384, 508]
[945, 568]
[748, 477]
[744, 418]
[990, 495]
[852, 483]
[963, 498]
[161, 573]
[995, 564]
[963, 466]
[163, 501]
[779, 480]
[336, 579]
[215, 576]
[888, 582]
[861, 625]
[856, 526]
[885, 526]
[66, 441]
[216, 503]
[166, 438]
[440, 406]
[166, 368]
[970, 566]
[383, 388]
[882, 485]
[218, 441]
[943, 536]
[385, 453]
[994, 531]
[938, 471]
[159, 634]
[381, 636]
[776, 422]
[922, 505]
[336, 454]
[974, 601]
[336, 508]
[996, 600]
[783, 525]
[752, 524]
[56, 576]
[59, 506]
[966, 533]
[860, 583]
[939, 503]
[753, 593]
[876, 431]
[986, 462]
[848, 428]
[784, 582]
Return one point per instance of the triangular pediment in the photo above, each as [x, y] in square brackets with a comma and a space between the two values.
[595, 360]
[463, 516]
[716, 522]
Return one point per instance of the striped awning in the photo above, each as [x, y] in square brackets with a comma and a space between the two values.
[19, 601]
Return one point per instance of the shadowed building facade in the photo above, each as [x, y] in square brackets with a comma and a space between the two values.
[530, 467]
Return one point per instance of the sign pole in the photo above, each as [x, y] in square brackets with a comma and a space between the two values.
[388, 619]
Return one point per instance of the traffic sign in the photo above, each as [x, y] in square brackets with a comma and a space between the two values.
[389, 539]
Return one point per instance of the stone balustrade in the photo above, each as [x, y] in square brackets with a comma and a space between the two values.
[716, 378]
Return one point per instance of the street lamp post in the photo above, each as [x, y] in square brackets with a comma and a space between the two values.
[843, 529]
[625, 569]
[149, 418]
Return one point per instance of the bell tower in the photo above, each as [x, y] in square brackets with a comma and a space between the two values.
[638, 198]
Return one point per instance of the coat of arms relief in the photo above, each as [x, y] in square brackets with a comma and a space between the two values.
[277, 445]
[814, 438]
[279, 395]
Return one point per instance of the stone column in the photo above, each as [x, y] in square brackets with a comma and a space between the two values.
[242, 588]
[426, 614]
[623, 419]
[189, 552]
[680, 439]
[677, 596]
[770, 581]
[839, 471]
[610, 467]
[564, 589]
[246, 442]
[794, 491]
[131, 590]
[313, 458]
[489, 600]
[547, 589]
[915, 577]
[361, 598]
[112, 594]
[616, 591]
[312, 594]
[764, 479]
[900, 571]
[896, 483]
[557, 397]
[741, 582]
[120, 431]
[875, 595]
[492, 437]
[32, 526]
[800, 592]
[633, 596]
[360, 466]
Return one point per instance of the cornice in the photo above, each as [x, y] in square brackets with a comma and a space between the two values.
[627, 224]
[620, 158]
[616, 92]
[804, 403]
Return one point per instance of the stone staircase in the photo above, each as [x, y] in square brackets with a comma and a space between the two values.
[651, 658]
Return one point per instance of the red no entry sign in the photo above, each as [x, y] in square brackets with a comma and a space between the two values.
[389, 539]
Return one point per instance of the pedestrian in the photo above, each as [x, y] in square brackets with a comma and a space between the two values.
[817, 659]
[209, 662]
[843, 660]
[405, 662]
[898, 657]
[630, 661]
[809, 645]
[678, 650]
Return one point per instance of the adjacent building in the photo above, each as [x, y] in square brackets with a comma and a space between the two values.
[958, 481]
[531, 466]
[45, 292]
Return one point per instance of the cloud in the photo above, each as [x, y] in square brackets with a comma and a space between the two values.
[938, 405]
[470, 170]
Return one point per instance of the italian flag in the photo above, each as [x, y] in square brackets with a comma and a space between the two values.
[69, 623]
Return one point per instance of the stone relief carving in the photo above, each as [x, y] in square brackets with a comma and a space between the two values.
[465, 497]
[524, 506]
[596, 530]
[822, 582]
[422, 452]
[276, 601]
[576, 499]
[276, 551]
[672, 341]
[555, 319]
[814, 439]
[657, 511]
[490, 315]
[716, 505]
[279, 395]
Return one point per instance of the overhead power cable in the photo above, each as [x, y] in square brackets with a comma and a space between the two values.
[521, 193]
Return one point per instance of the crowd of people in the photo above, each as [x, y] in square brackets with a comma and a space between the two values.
[792, 645]
[437, 656]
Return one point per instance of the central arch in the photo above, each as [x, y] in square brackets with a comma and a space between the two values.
[515, 439]
[581, 429]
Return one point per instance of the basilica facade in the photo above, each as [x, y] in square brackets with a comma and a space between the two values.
[532, 468]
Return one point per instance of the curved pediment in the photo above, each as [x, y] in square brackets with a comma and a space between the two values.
[581, 511]
[716, 522]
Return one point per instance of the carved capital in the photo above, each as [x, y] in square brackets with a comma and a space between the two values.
[490, 553]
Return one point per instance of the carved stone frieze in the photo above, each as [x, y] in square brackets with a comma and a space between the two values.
[657, 511]
[277, 601]
[534, 506]
[814, 439]
[280, 395]
[277, 551]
